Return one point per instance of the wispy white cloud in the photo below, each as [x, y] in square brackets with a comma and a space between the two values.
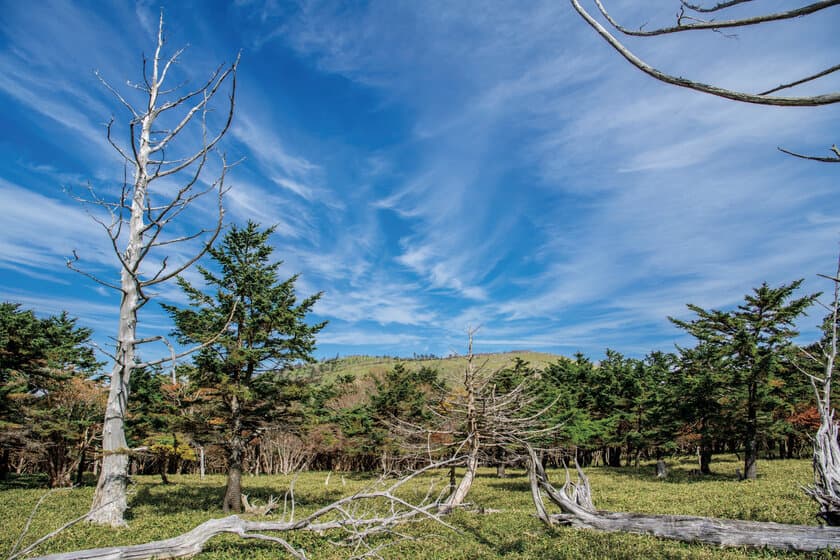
[435, 165]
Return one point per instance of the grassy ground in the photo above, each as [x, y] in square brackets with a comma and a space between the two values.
[507, 527]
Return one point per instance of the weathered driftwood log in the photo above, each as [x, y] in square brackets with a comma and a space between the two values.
[575, 503]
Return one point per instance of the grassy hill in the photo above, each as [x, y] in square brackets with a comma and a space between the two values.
[451, 368]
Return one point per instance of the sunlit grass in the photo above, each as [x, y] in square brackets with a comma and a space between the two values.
[503, 524]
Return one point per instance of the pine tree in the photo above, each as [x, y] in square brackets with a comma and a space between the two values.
[49, 403]
[755, 341]
[263, 328]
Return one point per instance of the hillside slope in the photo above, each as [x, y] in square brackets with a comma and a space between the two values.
[451, 368]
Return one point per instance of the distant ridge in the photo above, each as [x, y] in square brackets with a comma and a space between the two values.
[363, 367]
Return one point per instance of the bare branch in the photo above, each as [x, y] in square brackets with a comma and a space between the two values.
[723, 24]
[189, 95]
[207, 96]
[715, 8]
[344, 514]
[208, 145]
[169, 63]
[71, 264]
[117, 94]
[818, 75]
[48, 536]
[206, 247]
[807, 101]
[823, 159]
[116, 146]
[173, 357]
[577, 511]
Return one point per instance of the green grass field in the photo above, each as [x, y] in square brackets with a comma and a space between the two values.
[505, 528]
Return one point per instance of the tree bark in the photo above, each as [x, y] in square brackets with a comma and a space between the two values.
[233, 490]
[500, 464]
[110, 500]
[614, 456]
[751, 437]
[5, 459]
[705, 458]
[463, 488]
[661, 470]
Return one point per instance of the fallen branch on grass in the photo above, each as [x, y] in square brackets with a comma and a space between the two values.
[359, 516]
[577, 511]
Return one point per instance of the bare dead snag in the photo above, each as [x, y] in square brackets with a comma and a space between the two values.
[826, 488]
[139, 225]
[475, 421]
[577, 510]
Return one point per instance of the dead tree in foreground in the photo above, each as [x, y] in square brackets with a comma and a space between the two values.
[690, 18]
[376, 511]
[826, 488]
[574, 500]
[143, 221]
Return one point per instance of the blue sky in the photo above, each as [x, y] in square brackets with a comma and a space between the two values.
[432, 166]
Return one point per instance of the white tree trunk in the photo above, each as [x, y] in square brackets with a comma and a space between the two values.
[139, 228]
[109, 501]
[459, 495]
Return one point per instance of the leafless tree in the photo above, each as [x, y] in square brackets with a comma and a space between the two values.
[691, 18]
[139, 225]
[475, 421]
[826, 488]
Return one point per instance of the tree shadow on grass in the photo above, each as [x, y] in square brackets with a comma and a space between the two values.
[511, 484]
[643, 474]
[24, 482]
[497, 536]
[39, 480]
[177, 498]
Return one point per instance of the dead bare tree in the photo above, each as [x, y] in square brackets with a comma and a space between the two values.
[137, 225]
[475, 421]
[575, 502]
[690, 18]
[374, 511]
[826, 488]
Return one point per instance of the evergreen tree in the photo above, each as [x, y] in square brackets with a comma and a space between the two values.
[402, 399]
[700, 397]
[263, 329]
[157, 420]
[49, 402]
[754, 343]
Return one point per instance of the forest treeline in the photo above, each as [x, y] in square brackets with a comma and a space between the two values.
[743, 387]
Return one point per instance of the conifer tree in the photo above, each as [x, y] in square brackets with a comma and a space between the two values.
[754, 341]
[264, 330]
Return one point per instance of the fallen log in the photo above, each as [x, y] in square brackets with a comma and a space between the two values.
[577, 511]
